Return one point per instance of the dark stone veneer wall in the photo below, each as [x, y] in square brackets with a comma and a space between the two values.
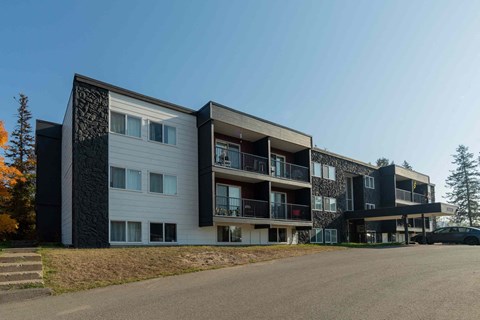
[90, 166]
[336, 189]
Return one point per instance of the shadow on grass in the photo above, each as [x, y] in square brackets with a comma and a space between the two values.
[391, 245]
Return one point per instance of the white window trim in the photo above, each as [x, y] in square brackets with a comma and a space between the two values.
[126, 232]
[162, 242]
[315, 230]
[126, 125]
[158, 193]
[126, 176]
[372, 179]
[313, 169]
[325, 236]
[163, 133]
[325, 207]
[328, 170]
[229, 239]
[369, 206]
[321, 201]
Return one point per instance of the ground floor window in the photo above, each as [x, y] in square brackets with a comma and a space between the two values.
[277, 235]
[317, 236]
[229, 234]
[123, 231]
[163, 232]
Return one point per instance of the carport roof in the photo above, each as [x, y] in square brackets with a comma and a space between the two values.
[413, 211]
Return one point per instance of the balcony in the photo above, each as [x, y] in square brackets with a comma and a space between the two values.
[291, 171]
[244, 208]
[288, 211]
[407, 196]
[248, 208]
[240, 160]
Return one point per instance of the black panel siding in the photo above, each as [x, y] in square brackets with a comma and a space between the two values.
[90, 166]
[48, 197]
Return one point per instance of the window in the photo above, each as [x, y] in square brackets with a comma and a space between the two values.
[122, 231]
[316, 236]
[162, 183]
[317, 169]
[163, 232]
[122, 178]
[317, 203]
[229, 234]
[369, 182]
[277, 235]
[330, 235]
[329, 172]
[330, 204]
[124, 124]
[369, 206]
[162, 133]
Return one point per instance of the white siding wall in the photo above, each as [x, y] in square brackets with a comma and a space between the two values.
[67, 176]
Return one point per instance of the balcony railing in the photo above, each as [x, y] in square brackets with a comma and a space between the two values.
[287, 170]
[248, 208]
[404, 195]
[288, 211]
[236, 207]
[407, 196]
[419, 198]
[240, 160]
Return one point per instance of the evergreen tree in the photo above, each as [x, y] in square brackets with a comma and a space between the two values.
[22, 157]
[383, 162]
[464, 181]
[406, 165]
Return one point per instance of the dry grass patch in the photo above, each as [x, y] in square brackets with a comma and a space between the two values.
[78, 269]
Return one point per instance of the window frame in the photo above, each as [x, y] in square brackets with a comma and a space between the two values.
[230, 234]
[367, 184]
[125, 122]
[319, 175]
[316, 238]
[277, 233]
[164, 125]
[163, 181]
[126, 222]
[314, 206]
[329, 207]
[326, 168]
[330, 231]
[126, 178]
[163, 232]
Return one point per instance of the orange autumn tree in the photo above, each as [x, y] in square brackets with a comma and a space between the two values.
[8, 178]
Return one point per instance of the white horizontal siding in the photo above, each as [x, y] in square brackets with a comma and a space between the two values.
[67, 175]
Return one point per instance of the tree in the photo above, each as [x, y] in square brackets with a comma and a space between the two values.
[383, 162]
[7, 226]
[22, 157]
[406, 165]
[464, 181]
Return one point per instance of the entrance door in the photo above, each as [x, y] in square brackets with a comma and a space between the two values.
[229, 202]
[279, 205]
[278, 165]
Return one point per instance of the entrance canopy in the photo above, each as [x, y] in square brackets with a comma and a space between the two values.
[394, 213]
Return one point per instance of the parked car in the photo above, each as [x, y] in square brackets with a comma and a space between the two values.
[465, 235]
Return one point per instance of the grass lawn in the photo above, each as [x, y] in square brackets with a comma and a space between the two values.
[67, 270]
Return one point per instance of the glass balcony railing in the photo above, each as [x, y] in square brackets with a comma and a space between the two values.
[291, 171]
[288, 211]
[410, 197]
[240, 160]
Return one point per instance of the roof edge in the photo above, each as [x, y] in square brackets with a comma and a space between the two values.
[345, 158]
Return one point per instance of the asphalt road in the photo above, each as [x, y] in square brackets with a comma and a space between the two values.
[418, 282]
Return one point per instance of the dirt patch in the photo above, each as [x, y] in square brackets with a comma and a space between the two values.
[78, 269]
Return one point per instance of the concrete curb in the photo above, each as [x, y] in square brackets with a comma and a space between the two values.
[18, 295]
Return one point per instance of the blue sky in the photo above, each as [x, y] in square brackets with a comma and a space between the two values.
[366, 79]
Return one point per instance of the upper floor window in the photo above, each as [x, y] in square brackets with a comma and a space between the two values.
[329, 172]
[317, 203]
[162, 133]
[330, 204]
[317, 169]
[162, 183]
[125, 124]
[122, 178]
[369, 206]
[369, 182]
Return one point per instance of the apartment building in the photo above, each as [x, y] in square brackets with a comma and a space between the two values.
[127, 169]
